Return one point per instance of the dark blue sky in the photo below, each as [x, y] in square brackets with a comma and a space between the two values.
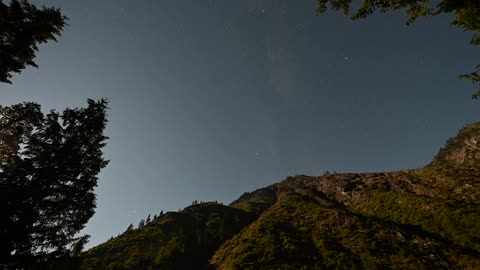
[210, 99]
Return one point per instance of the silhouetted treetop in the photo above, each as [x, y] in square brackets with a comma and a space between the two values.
[129, 228]
[22, 28]
[141, 224]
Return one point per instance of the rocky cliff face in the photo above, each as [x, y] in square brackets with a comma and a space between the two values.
[464, 149]
[426, 218]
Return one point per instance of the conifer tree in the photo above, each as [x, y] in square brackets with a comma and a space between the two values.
[129, 228]
[141, 224]
[22, 28]
[48, 170]
[148, 219]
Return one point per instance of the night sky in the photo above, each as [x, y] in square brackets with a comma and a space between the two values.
[213, 98]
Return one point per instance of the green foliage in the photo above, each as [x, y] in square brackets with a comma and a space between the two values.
[256, 202]
[184, 240]
[474, 76]
[301, 234]
[22, 28]
[456, 221]
[467, 16]
[48, 170]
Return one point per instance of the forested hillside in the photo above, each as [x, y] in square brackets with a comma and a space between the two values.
[426, 218]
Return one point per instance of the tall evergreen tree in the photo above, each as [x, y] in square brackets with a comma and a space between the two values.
[22, 28]
[141, 223]
[48, 171]
[129, 228]
[148, 219]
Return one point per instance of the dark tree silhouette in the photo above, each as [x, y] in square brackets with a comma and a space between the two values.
[48, 170]
[141, 224]
[467, 17]
[22, 28]
[129, 228]
[148, 219]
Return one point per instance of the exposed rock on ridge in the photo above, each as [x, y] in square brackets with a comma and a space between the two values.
[464, 149]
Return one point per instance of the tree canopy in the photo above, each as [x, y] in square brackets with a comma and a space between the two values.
[48, 170]
[467, 16]
[22, 28]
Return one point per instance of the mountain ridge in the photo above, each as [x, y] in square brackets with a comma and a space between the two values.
[409, 219]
